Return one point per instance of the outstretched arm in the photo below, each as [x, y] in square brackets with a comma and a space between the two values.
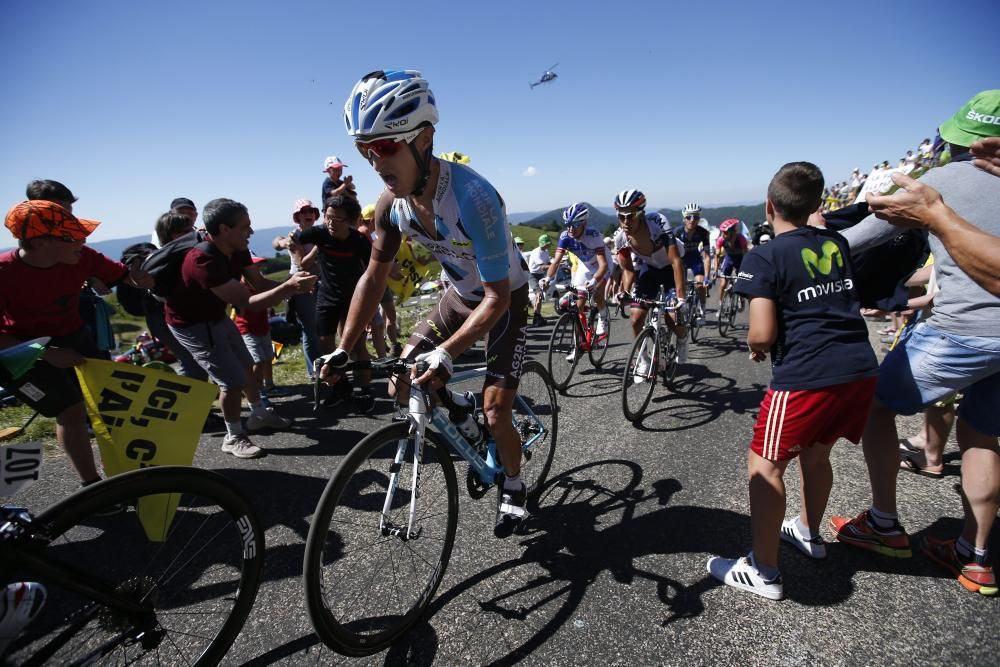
[918, 205]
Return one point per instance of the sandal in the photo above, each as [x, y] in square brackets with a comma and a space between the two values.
[906, 447]
[909, 463]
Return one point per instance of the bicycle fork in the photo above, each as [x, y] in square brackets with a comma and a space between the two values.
[417, 414]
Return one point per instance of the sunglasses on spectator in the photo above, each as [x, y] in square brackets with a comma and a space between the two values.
[384, 147]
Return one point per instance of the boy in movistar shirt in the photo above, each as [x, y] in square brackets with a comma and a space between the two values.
[804, 311]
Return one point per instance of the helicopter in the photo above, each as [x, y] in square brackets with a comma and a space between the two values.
[549, 75]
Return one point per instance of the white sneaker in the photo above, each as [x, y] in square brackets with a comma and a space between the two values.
[740, 573]
[571, 357]
[267, 419]
[814, 547]
[20, 603]
[602, 327]
[241, 447]
[682, 350]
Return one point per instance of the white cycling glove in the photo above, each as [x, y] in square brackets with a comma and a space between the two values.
[336, 360]
[543, 283]
[437, 359]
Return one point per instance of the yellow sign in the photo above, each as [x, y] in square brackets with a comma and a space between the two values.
[413, 273]
[144, 417]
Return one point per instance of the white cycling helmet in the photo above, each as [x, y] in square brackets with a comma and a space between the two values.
[630, 199]
[692, 209]
[389, 102]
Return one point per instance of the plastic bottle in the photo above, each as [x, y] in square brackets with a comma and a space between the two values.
[465, 417]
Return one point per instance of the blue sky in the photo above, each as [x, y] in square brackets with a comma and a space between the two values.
[131, 103]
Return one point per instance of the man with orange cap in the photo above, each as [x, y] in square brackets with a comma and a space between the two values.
[39, 296]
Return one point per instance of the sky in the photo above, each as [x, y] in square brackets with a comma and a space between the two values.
[131, 104]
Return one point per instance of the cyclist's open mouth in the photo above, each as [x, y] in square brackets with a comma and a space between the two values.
[389, 180]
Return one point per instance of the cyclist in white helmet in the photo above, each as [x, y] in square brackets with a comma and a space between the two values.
[647, 252]
[695, 244]
[460, 218]
[592, 261]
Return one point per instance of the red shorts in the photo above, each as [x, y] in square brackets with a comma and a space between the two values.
[791, 420]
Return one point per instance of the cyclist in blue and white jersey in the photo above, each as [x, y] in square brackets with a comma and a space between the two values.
[696, 243]
[648, 254]
[592, 261]
[460, 218]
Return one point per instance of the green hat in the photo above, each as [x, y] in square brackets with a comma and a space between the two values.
[544, 240]
[518, 240]
[979, 118]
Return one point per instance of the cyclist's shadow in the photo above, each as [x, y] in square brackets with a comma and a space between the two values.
[579, 530]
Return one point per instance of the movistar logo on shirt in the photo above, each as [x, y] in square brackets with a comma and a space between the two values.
[822, 264]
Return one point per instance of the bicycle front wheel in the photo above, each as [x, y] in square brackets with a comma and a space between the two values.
[693, 321]
[565, 341]
[599, 348]
[369, 577]
[725, 313]
[187, 548]
[536, 419]
[639, 378]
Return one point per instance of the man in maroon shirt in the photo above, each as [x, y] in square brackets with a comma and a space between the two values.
[40, 296]
[196, 314]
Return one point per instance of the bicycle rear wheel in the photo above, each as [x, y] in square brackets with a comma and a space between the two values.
[639, 378]
[565, 340]
[536, 419]
[366, 580]
[197, 580]
[599, 348]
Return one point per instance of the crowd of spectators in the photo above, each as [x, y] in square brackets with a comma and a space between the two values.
[926, 155]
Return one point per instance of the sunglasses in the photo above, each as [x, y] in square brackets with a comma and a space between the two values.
[692, 217]
[625, 215]
[385, 146]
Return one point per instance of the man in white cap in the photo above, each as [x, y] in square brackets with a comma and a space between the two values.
[333, 184]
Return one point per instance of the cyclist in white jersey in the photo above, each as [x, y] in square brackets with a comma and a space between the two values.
[458, 216]
[650, 260]
[592, 261]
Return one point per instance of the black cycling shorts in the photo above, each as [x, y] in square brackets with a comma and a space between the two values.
[506, 342]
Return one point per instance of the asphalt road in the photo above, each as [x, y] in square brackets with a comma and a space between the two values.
[611, 569]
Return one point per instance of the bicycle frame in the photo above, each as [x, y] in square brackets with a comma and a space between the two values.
[422, 411]
[590, 337]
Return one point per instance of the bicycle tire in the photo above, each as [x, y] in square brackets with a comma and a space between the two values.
[536, 400]
[668, 353]
[108, 544]
[694, 324]
[336, 580]
[725, 314]
[634, 404]
[599, 348]
[564, 339]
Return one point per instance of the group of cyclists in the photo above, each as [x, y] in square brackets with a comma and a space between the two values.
[461, 220]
